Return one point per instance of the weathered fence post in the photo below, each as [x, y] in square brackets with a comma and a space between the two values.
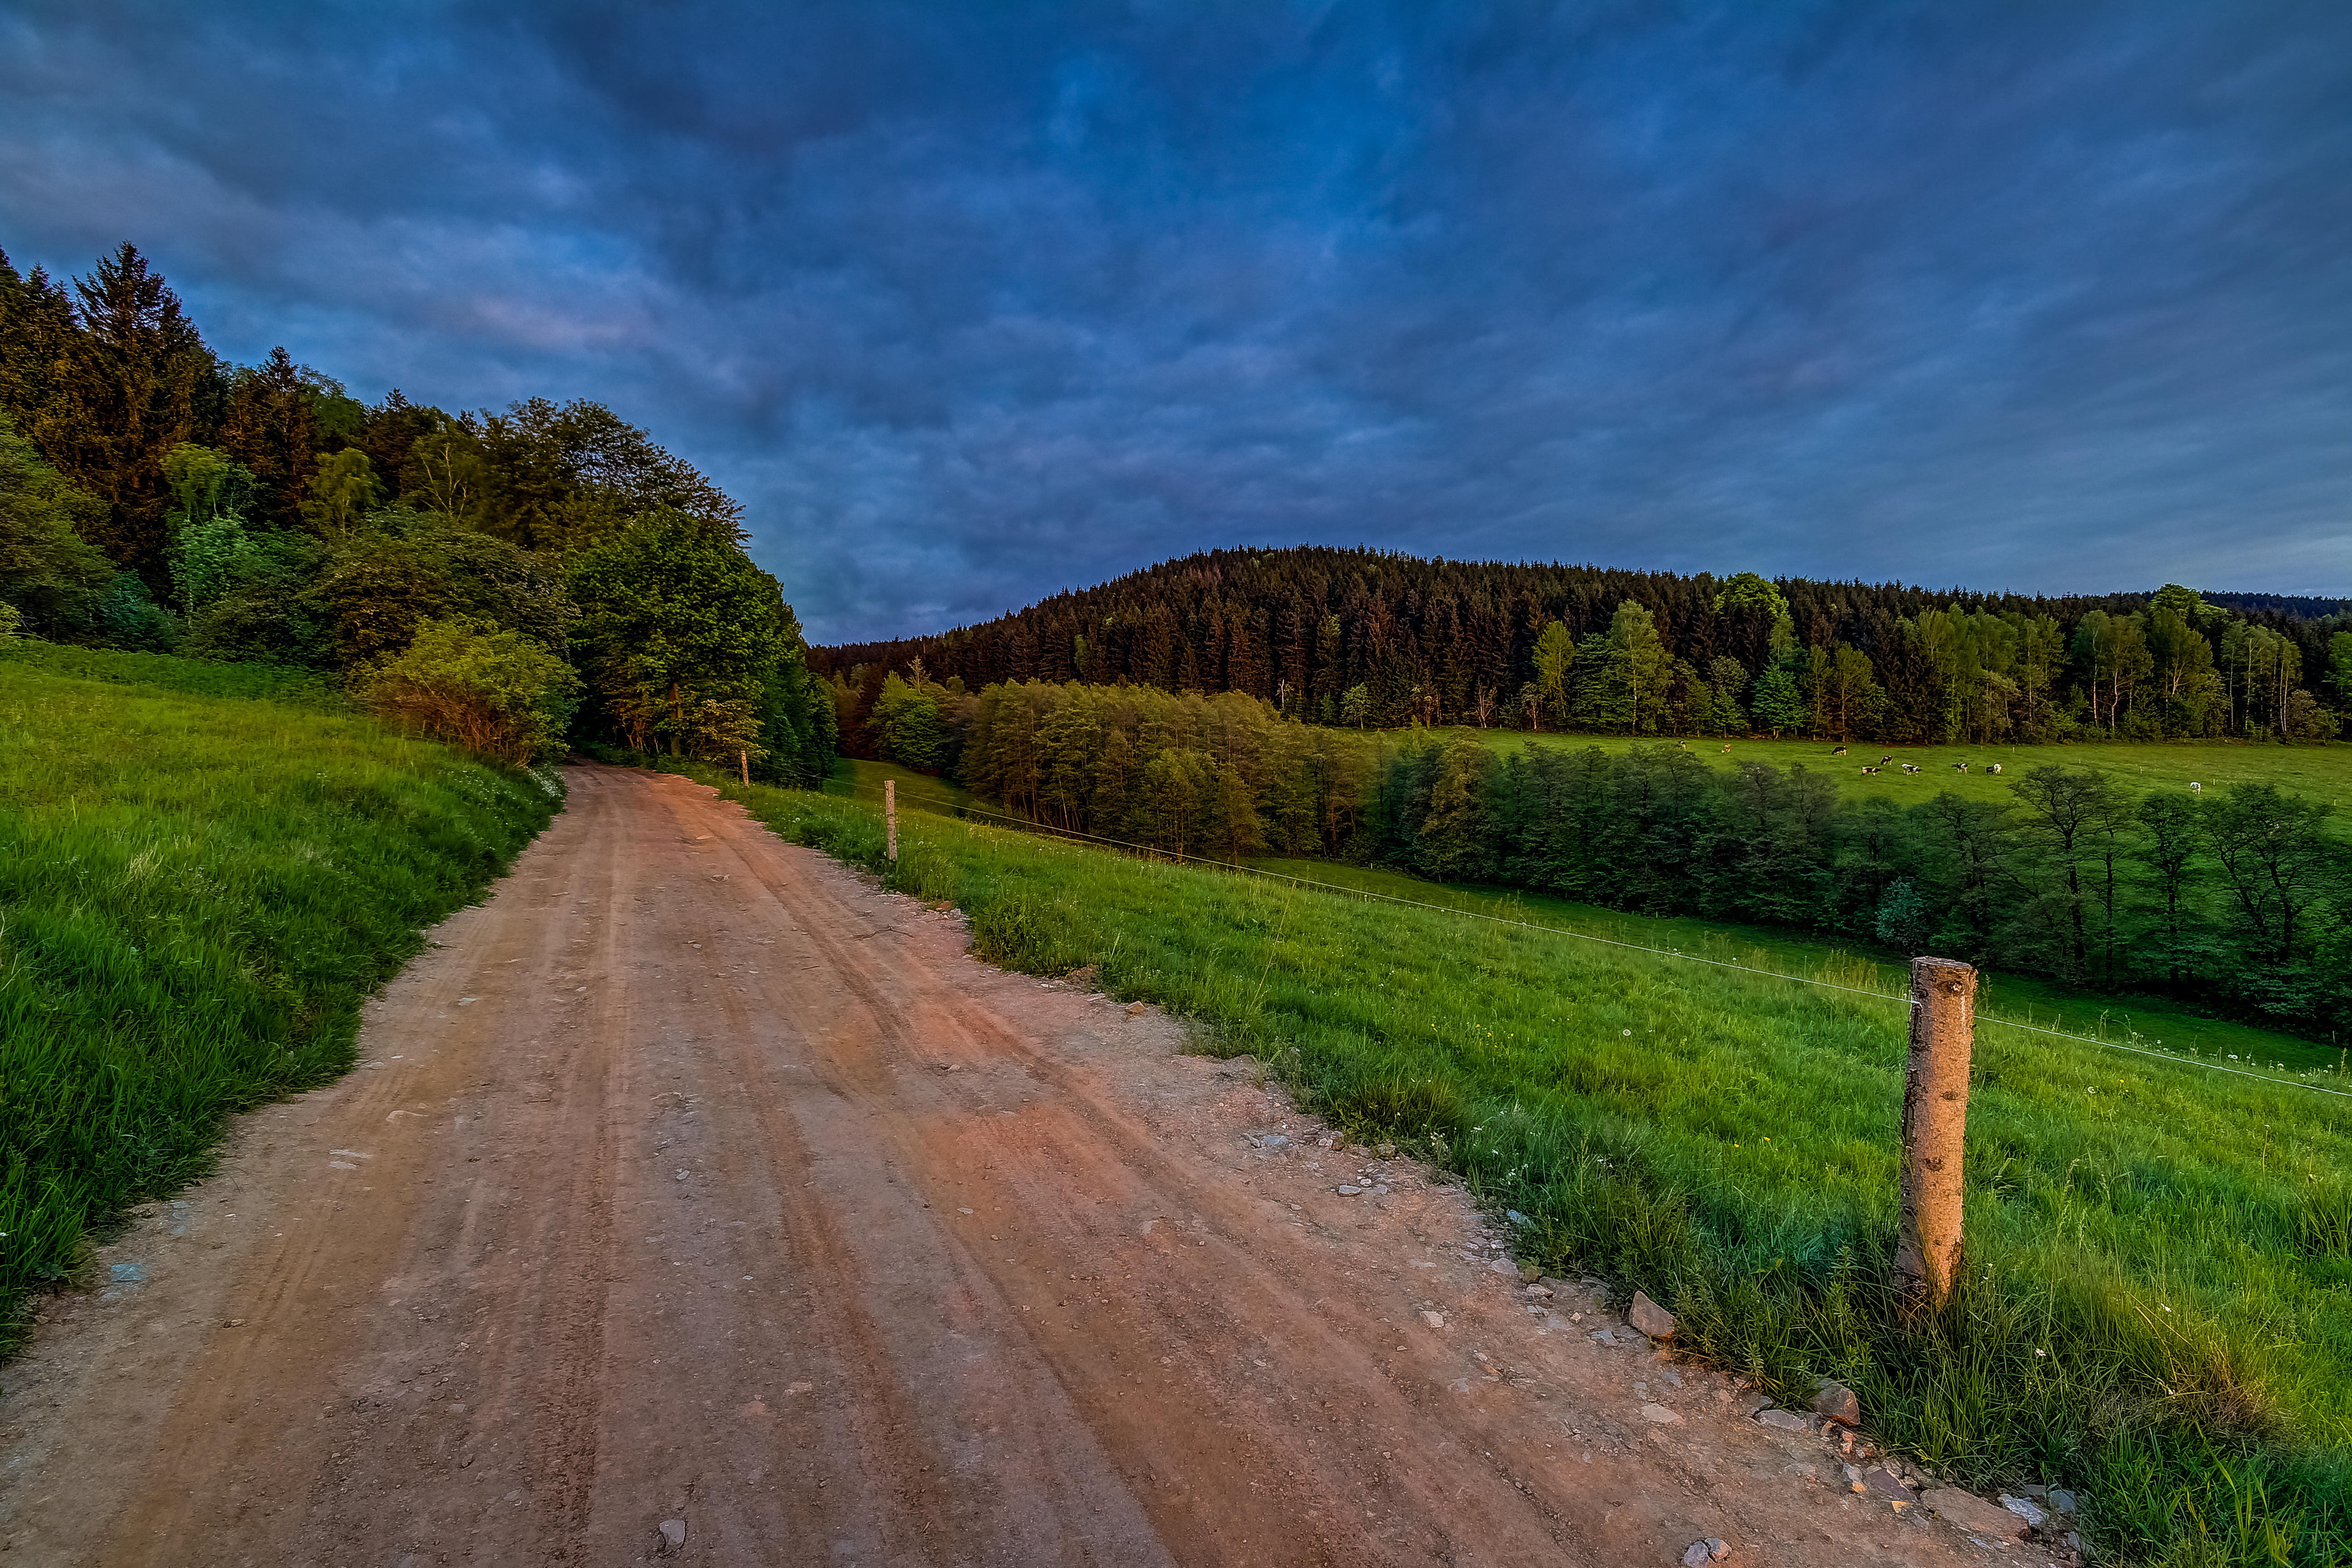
[1935, 1120]
[890, 819]
[745, 758]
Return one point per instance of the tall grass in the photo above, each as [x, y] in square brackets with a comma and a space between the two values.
[2157, 1308]
[196, 892]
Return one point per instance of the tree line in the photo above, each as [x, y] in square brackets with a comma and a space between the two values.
[1363, 637]
[2241, 900]
[515, 581]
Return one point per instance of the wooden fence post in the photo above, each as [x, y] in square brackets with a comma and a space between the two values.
[890, 817]
[745, 758]
[1935, 1120]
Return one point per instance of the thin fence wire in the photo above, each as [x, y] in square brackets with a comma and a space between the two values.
[960, 812]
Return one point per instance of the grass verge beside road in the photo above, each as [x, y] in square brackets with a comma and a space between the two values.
[2158, 1304]
[196, 893]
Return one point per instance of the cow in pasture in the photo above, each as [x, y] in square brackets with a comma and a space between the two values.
[1839, 753]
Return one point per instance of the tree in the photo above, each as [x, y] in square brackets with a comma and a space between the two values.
[2339, 667]
[1758, 627]
[2113, 655]
[37, 332]
[2278, 863]
[562, 476]
[1631, 675]
[1555, 654]
[272, 425]
[1450, 835]
[1845, 694]
[343, 490]
[133, 382]
[1727, 678]
[1969, 841]
[2073, 821]
[677, 633]
[374, 589]
[1776, 703]
[2170, 838]
[907, 724]
[2187, 684]
[48, 571]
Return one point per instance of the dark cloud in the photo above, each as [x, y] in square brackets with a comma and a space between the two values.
[972, 304]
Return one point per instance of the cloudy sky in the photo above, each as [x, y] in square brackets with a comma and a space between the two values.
[971, 303]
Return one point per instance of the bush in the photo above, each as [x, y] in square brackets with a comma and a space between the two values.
[496, 692]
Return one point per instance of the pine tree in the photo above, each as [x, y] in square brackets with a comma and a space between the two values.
[129, 384]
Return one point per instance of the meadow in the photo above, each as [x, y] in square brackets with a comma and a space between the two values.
[2320, 771]
[2158, 1302]
[205, 869]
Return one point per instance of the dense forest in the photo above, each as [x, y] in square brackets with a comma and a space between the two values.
[1361, 638]
[2241, 899]
[516, 582]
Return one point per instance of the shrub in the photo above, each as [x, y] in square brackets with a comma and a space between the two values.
[496, 692]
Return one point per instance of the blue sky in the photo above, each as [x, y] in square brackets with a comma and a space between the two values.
[969, 304]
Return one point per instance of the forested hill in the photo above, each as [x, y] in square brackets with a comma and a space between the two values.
[516, 580]
[1358, 636]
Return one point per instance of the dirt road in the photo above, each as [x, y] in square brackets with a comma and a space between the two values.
[697, 1201]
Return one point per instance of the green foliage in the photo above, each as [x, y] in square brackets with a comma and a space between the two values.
[907, 725]
[374, 590]
[678, 631]
[129, 379]
[126, 616]
[199, 891]
[1438, 642]
[492, 690]
[1776, 703]
[1554, 657]
[1221, 776]
[294, 525]
[48, 571]
[204, 485]
[2235, 897]
[342, 492]
[1726, 1141]
[208, 557]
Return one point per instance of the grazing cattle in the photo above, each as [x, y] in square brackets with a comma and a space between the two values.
[1887, 759]
[1727, 748]
[1909, 768]
[1870, 770]
[2196, 789]
[1994, 769]
[1839, 753]
[1959, 767]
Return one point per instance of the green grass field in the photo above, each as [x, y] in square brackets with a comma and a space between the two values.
[198, 887]
[2320, 771]
[2159, 1304]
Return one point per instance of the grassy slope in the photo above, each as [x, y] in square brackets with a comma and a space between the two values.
[197, 891]
[2165, 1310]
[2149, 1022]
[2323, 773]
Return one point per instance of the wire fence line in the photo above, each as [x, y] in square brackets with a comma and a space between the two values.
[962, 811]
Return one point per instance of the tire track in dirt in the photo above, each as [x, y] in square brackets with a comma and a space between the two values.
[693, 1179]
